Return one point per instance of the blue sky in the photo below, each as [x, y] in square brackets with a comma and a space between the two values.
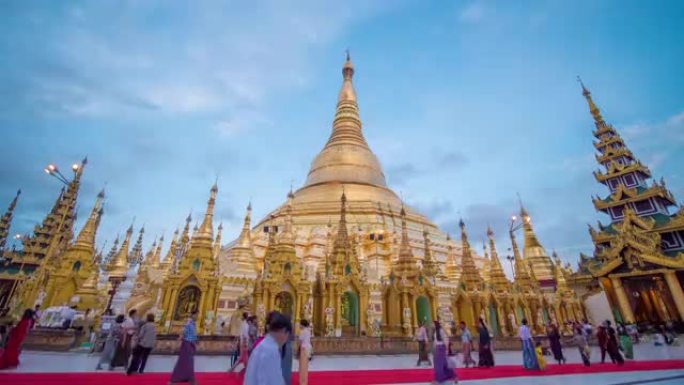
[465, 103]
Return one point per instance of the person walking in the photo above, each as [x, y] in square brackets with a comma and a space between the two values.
[529, 355]
[265, 363]
[466, 345]
[625, 341]
[554, 337]
[184, 370]
[123, 349]
[485, 355]
[244, 346]
[442, 372]
[582, 345]
[612, 345]
[538, 352]
[9, 357]
[422, 338]
[287, 356]
[305, 351]
[602, 338]
[114, 335]
[147, 336]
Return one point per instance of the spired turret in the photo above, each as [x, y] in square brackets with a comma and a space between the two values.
[535, 256]
[193, 286]
[5, 222]
[470, 279]
[77, 267]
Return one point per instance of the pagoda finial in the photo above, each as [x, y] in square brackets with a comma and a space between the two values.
[470, 277]
[206, 230]
[6, 220]
[595, 112]
[86, 238]
[497, 277]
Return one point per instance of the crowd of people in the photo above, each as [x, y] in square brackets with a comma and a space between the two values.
[616, 343]
[256, 355]
[266, 356]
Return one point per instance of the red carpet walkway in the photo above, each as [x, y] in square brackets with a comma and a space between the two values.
[357, 377]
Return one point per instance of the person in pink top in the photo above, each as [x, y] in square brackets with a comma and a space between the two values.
[422, 338]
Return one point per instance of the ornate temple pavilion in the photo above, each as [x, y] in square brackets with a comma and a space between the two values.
[639, 256]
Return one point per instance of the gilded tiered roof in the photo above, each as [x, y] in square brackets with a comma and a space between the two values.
[534, 254]
[470, 276]
[6, 221]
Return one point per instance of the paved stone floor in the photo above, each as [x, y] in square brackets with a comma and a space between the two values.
[35, 362]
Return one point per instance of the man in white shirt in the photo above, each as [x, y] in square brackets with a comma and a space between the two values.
[265, 363]
[244, 329]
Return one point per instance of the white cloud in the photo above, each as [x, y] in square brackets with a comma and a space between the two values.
[210, 58]
[473, 12]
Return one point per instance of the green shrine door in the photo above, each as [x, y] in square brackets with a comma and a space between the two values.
[423, 311]
[350, 314]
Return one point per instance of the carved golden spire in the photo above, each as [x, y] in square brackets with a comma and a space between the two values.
[217, 241]
[185, 236]
[112, 252]
[86, 238]
[534, 254]
[6, 220]
[346, 156]
[561, 282]
[156, 257]
[118, 265]
[149, 256]
[470, 277]
[245, 238]
[595, 112]
[452, 271]
[406, 263]
[430, 268]
[169, 262]
[497, 277]
[522, 275]
[206, 230]
[136, 255]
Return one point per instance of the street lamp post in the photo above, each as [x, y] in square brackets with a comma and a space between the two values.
[510, 260]
[15, 283]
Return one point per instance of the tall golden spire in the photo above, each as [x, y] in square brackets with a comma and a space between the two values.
[522, 275]
[497, 277]
[470, 277]
[346, 156]
[118, 265]
[86, 238]
[534, 254]
[6, 220]
[245, 238]
[217, 241]
[185, 236]
[136, 255]
[206, 230]
[156, 257]
[452, 271]
[406, 263]
[595, 112]
[169, 262]
[430, 268]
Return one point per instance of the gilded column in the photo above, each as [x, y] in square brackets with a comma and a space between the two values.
[623, 301]
[414, 315]
[676, 291]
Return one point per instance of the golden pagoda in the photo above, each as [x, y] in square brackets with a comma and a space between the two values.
[343, 251]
